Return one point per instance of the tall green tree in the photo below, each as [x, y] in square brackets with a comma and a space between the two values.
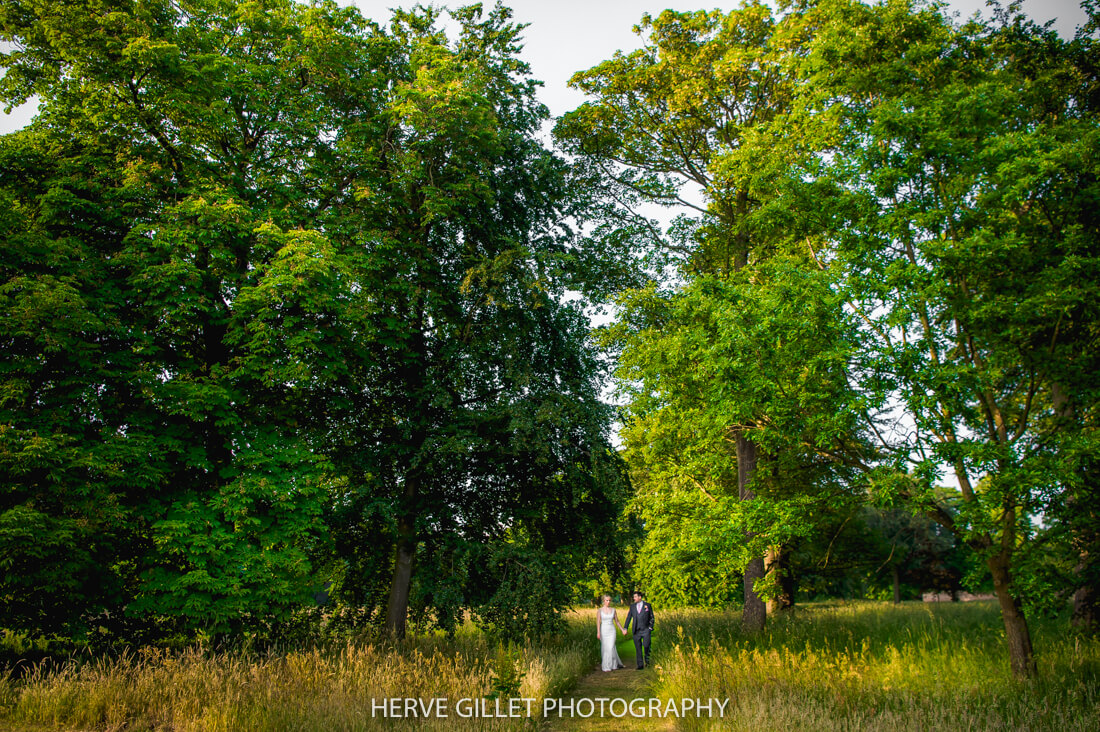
[764, 347]
[687, 121]
[942, 179]
[475, 419]
[961, 216]
[170, 159]
[277, 269]
[67, 541]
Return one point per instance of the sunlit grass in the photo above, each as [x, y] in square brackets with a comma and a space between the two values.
[331, 689]
[861, 666]
[875, 666]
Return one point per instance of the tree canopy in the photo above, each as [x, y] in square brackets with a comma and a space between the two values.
[284, 304]
[888, 279]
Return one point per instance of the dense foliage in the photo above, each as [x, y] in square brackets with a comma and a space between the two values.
[887, 287]
[287, 302]
[282, 306]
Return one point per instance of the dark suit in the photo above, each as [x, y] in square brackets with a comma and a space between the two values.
[643, 629]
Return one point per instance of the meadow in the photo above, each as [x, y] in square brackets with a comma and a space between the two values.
[877, 666]
[323, 689]
[849, 666]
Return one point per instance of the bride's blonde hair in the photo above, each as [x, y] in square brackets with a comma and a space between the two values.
[604, 597]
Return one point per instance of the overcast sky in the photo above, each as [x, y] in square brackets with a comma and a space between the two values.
[565, 36]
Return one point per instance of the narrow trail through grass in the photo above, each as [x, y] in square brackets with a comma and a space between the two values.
[626, 684]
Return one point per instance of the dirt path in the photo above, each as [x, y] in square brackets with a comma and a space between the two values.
[625, 684]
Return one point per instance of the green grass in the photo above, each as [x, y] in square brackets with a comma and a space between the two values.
[876, 666]
[855, 666]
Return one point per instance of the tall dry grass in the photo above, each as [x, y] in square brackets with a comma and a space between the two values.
[332, 689]
[874, 666]
[862, 666]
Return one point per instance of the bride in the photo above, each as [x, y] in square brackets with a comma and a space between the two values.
[606, 622]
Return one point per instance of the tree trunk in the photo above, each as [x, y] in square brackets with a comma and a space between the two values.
[777, 560]
[1086, 609]
[1082, 510]
[754, 614]
[1086, 600]
[398, 607]
[1016, 631]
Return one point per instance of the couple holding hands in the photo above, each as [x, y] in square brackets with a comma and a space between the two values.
[607, 619]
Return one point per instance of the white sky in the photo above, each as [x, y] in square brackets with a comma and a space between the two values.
[566, 36]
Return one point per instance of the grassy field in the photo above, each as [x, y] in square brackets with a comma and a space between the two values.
[875, 666]
[853, 666]
[321, 690]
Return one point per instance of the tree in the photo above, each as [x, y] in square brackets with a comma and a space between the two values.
[469, 428]
[178, 136]
[962, 163]
[305, 270]
[67, 542]
[863, 551]
[692, 112]
[943, 181]
[1071, 434]
[763, 346]
[918, 552]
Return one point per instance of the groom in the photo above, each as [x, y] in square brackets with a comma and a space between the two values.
[641, 614]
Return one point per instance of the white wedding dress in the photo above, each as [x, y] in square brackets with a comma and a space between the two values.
[608, 634]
